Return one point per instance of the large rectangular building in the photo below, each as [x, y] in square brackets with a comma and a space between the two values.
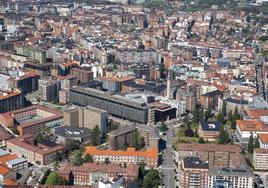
[31, 52]
[130, 156]
[41, 153]
[235, 177]
[11, 101]
[115, 105]
[90, 173]
[217, 155]
[32, 119]
[124, 136]
[193, 173]
[86, 117]
[49, 89]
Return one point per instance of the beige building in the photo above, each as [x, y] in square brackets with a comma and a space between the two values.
[90, 117]
[86, 117]
[71, 117]
[260, 159]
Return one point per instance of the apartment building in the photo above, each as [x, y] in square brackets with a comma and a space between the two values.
[86, 117]
[218, 156]
[236, 177]
[49, 89]
[263, 139]
[210, 99]
[40, 153]
[83, 76]
[4, 136]
[12, 161]
[32, 120]
[123, 136]
[260, 159]
[90, 173]
[193, 173]
[189, 96]
[11, 101]
[244, 128]
[130, 156]
[33, 53]
[7, 176]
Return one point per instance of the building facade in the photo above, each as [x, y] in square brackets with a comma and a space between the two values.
[218, 156]
[124, 136]
[32, 120]
[260, 159]
[118, 106]
[49, 89]
[39, 153]
[193, 173]
[235, 177]
[83, 76]
[90, 173]
[130, 156]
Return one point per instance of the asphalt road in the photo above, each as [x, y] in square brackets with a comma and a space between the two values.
[168, 164]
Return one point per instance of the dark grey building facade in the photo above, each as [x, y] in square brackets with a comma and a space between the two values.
[115, 105]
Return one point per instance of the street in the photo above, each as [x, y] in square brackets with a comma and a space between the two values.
[167, 163]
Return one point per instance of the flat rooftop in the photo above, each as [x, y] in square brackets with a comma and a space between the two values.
[107, 96]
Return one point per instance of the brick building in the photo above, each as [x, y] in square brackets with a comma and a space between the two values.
[218, 156]
[123, 136]
[40, 153]
[91, 173]
[82, 75]
[130, 156]
[32, 119]
[193, 173]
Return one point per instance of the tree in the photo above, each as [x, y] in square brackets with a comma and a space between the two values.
[234, 117]
[88, 159]
[39, 138]
[189, 132]
[71, 144]
[208, 113]
[257, 143]
[220, 117]
[138, 141]
[236, 114]
[95, 136]
[250, 144]
[201, 140]
[223, 110]
[78, 160]
[55, 165]
[107, 161]
[223, 137]
[54, 179]
[163, 127]
[151, 179]
[196, 132]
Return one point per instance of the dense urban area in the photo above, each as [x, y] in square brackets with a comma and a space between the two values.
[134, 93]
